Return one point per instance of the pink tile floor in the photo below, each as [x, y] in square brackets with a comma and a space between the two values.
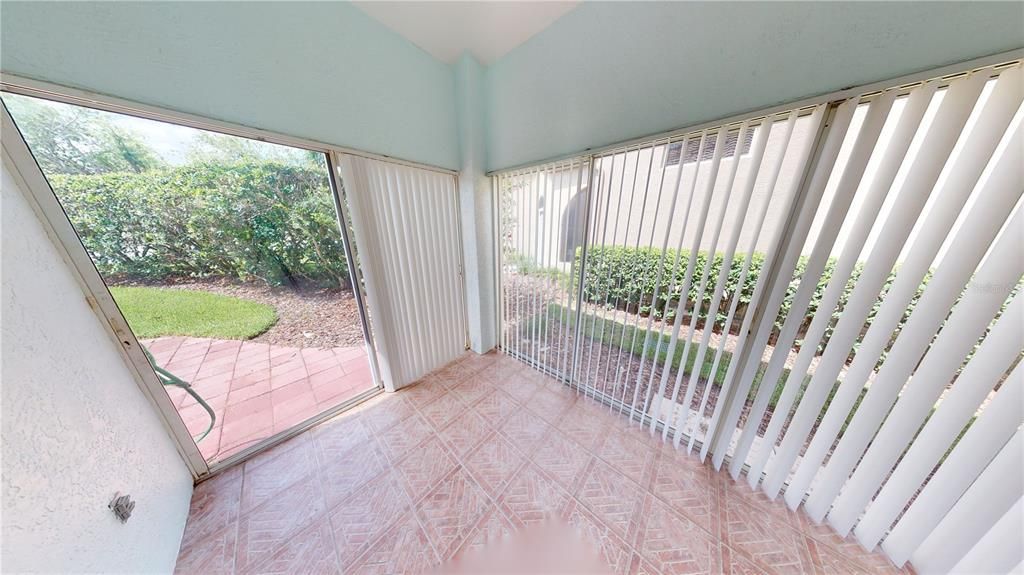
[256, 389]
[422, 479]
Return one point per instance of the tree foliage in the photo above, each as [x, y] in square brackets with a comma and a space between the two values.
[210, 147]
[74, 140]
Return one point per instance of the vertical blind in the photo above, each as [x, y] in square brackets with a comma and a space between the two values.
[543, 211]
[406, 228]
[828, 298]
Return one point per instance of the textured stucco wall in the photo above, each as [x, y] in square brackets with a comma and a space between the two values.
[76, 428]
[610, 71]
[319, 70]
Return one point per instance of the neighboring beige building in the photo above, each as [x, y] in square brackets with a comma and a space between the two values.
[644, 184]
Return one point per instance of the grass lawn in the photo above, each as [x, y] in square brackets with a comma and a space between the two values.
[610, 332]
[155, 312]
[628, 337]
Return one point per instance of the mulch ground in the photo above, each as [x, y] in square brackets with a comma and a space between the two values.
[307, 317]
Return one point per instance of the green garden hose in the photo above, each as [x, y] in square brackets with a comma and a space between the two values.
[168, 378]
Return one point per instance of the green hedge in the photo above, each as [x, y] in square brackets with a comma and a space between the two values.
[257, 219]
[625, 278]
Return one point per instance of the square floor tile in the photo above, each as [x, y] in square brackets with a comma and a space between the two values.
[215, 505]
[494, 462]
[533, 498]
[562, 459]
[524, 430]
[451, 510]
[442, 410]
[493, 528]
[424, 467]
[472, 390]
[399, 439]
[606, 545]
[362, 518]
[769, 542]
[628, 456]
[214, 553]
[612, 498]
[337, 436]
[549, 405]
[277, 470]
[496, 406]
[465, 433]
[675, 545]
[311, 552]
[403, 549]
[267, 528]
[351, 470]
[689, 487]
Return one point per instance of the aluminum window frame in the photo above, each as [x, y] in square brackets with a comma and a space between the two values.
[24, 168]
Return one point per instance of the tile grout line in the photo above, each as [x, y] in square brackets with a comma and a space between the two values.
[328, 511]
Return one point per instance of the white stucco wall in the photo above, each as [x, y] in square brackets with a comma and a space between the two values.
[76, 428]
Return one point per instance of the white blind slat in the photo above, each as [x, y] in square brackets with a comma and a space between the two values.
[695, 314]
[727, 412]
[1002, 190]
[706, 198]
[910, 200]
[1001, 549]
[845, 190]
[834, 357]
[995, 492]
[994, 427]
[759, 219]
[951, 199]
[759, 146]
[997, 353]
[970, 317]
[660, 276]
[815, 191]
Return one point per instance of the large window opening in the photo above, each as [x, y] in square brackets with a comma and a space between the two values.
[835, 307]
[226, 258]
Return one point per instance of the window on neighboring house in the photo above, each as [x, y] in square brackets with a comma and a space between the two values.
[675, 149]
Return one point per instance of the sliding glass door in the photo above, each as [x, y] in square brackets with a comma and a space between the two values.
[230, 259]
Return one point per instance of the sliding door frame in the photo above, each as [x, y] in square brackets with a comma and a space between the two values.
[717, 440]
[23, 167]
[18, 158]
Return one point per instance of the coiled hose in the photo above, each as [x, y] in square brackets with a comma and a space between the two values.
[167, 378]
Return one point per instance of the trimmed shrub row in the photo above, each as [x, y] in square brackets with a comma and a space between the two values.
[626, 278]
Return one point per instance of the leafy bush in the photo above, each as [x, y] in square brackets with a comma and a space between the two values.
[626, 278]
[250, 219]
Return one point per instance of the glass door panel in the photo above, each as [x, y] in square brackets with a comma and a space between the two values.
[226, 258]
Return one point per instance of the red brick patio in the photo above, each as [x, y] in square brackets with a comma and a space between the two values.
[256, 389]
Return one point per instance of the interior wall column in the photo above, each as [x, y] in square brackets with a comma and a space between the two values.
[477, 206]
